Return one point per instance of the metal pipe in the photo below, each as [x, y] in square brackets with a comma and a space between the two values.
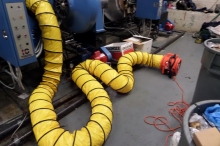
[144, 27]
[10, 127]
[104, 4]
[167, 43]
[17, 141]
[114, 28]
[149, 28]
[61, 113]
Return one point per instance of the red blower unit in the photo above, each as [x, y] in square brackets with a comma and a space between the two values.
[170, 64]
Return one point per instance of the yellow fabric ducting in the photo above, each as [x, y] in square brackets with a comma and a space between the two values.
[43, 118]
[121, 81]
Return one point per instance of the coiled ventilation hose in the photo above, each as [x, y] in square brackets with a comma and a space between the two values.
[46, 128]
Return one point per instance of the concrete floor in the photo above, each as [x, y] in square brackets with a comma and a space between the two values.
[151, 93]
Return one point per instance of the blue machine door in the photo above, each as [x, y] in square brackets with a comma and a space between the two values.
[149, 9]
[6, 41]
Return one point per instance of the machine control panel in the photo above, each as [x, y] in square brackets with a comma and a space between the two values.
[20, 29]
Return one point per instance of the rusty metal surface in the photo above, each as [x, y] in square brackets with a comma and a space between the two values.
[8, 109]
[25, 135]
[11, 106]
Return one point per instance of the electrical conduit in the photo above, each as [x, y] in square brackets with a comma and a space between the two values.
[43, 118]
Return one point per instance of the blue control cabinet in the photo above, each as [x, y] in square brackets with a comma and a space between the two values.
[16, 41]
[149, 9]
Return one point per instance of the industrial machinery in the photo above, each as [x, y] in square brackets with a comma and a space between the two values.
[83, 27]
[153, 12]
[83, 32]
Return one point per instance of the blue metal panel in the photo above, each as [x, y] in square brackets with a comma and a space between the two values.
[8, 50]
[149, 9]
[164, 7]
[6, 44]
[83, 16]
[99, 20]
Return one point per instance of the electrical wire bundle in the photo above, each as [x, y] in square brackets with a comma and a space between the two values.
[16, 77]
[39, 48]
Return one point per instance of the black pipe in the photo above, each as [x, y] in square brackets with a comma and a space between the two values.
[18, 140]
[63, 112]
[167, 43]
[177, 31]
[113, 28]
[13, 124]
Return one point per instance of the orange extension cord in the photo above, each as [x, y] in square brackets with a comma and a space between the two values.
[177, 112]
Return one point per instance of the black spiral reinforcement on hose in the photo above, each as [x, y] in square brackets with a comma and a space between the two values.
[46, 128]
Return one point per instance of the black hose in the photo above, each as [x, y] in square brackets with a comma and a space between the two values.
[114, 28]
[118, 28]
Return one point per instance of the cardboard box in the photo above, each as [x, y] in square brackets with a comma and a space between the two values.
[119, 49]
[208, 137]
[141, 43]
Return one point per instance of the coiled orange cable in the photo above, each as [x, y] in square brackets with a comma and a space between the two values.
[177, 111]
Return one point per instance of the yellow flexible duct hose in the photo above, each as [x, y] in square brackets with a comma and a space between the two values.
[43, 118]
[121, 81]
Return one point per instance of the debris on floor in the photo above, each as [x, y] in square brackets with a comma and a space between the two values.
[175, 139]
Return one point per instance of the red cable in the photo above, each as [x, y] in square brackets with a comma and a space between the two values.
[177, 112]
